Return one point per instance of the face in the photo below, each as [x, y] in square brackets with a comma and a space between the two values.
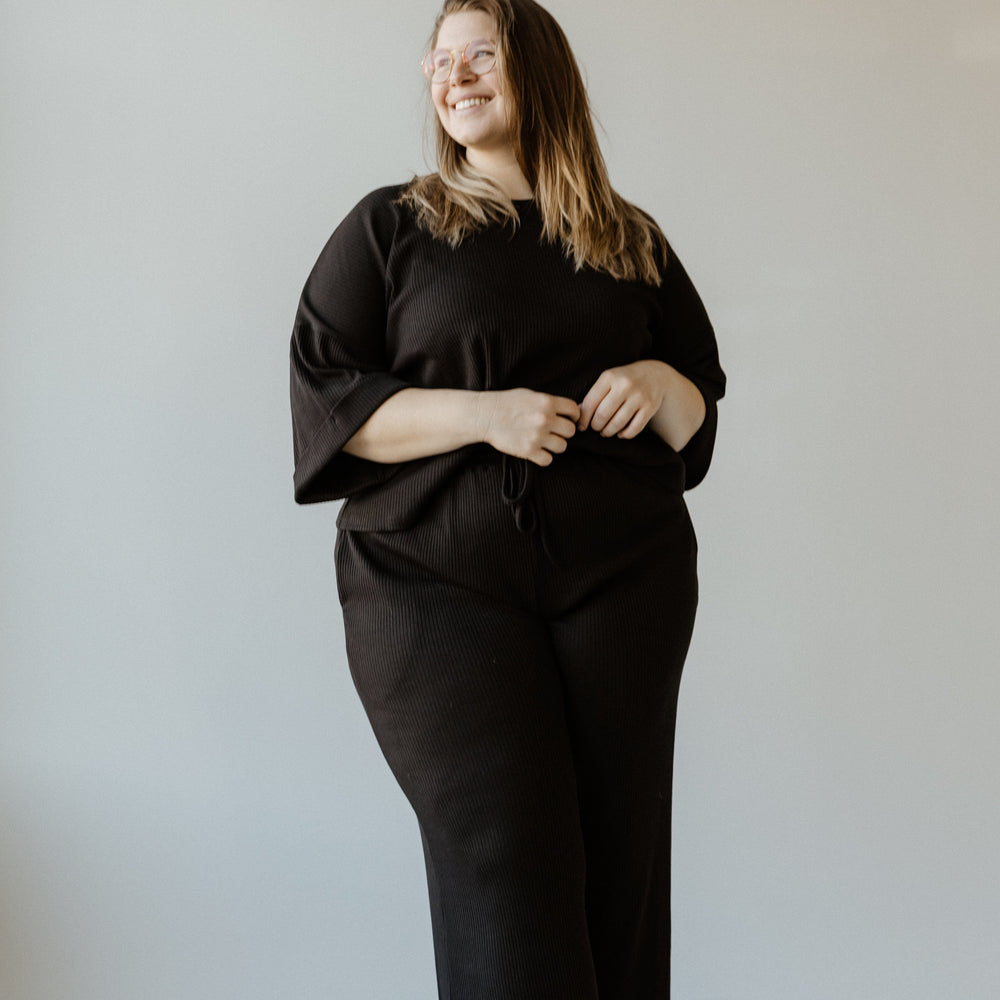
[471, 108]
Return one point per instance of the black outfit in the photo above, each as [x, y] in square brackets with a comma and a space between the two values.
[516, 633]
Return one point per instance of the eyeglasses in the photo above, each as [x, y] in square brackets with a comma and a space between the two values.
[480, 56]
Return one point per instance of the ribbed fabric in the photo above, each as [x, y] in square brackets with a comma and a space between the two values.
[516, 634]
[386, 306]
[527, 709]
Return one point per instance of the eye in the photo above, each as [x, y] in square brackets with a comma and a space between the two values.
[481, 55]
[438, 59]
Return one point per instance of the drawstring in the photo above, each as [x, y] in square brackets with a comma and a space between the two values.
[519, 494]
[518, 479]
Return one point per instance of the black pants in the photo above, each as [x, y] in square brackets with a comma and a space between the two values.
[519, 653]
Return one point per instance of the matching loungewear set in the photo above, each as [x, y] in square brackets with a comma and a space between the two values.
[516, 633]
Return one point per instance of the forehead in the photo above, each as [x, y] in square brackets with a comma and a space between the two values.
[464, 26]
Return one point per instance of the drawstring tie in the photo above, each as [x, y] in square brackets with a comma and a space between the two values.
[519, 494]
[518, 483]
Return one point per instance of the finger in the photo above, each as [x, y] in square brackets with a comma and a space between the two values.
[540, 457]
[605, 413]
[567, 407]
[616, 423]
[557, 445]
[619, 420]
[564, 428]
[591, 401]
[635, 426]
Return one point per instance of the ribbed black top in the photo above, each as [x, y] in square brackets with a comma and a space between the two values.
[387, 306]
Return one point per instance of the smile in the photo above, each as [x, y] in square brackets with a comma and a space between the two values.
[471, 102]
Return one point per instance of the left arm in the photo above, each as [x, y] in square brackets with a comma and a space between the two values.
[675, 391]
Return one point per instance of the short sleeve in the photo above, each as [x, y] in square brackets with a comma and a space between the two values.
[684, 338]
[339, 370]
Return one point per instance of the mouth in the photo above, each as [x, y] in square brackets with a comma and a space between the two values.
[470, 102]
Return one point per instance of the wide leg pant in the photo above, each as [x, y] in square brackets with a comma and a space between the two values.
[521, 677]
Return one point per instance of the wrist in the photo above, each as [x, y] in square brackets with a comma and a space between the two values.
[482, 406]
[666, 378]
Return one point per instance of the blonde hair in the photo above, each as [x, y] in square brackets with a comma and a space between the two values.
[556, 146]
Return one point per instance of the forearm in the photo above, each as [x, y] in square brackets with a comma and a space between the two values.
[682, 411]
[415, 423]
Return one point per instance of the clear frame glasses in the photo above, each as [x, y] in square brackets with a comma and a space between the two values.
[479, 55]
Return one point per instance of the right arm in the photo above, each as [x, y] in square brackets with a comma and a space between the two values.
[415, 423]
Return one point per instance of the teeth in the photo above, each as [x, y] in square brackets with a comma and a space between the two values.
[471, 102]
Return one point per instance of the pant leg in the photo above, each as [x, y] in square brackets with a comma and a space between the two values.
[467, 705]
[621, 621]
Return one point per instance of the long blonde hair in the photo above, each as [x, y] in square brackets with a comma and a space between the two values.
[556, 146]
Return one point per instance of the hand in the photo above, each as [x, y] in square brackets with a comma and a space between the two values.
[527, 424]
[623, 400]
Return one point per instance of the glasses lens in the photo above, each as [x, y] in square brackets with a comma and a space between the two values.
[480, 56]
[437, 65]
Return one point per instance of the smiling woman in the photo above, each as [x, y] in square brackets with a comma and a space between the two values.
[506, 371]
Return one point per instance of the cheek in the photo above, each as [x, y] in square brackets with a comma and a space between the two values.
[438, 95]
[442, 117]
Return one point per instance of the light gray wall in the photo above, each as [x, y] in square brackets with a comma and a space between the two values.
[193, 807]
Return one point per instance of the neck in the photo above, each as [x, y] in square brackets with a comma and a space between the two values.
[502, 168]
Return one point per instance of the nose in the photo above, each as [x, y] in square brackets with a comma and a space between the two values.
[460, 71]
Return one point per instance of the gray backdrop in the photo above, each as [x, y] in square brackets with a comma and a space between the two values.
[193, 806]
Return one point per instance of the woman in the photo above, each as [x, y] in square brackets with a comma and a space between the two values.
[510, 377]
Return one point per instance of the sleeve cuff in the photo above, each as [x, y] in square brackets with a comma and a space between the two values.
[324, 471]
[697, 453]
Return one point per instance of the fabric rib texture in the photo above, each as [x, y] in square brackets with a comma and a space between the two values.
[516, 634]
[527, 708]
[387, 306]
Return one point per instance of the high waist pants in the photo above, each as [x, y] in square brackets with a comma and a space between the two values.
[519, 653]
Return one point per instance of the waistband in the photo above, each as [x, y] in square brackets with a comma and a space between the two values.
[400, 500]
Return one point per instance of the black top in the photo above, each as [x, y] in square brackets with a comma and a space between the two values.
[387, 306]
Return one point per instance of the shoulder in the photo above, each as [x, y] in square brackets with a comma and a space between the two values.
[382, 199]
[645, 230]
[674, 278]
[378, 208]
[371, 227]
